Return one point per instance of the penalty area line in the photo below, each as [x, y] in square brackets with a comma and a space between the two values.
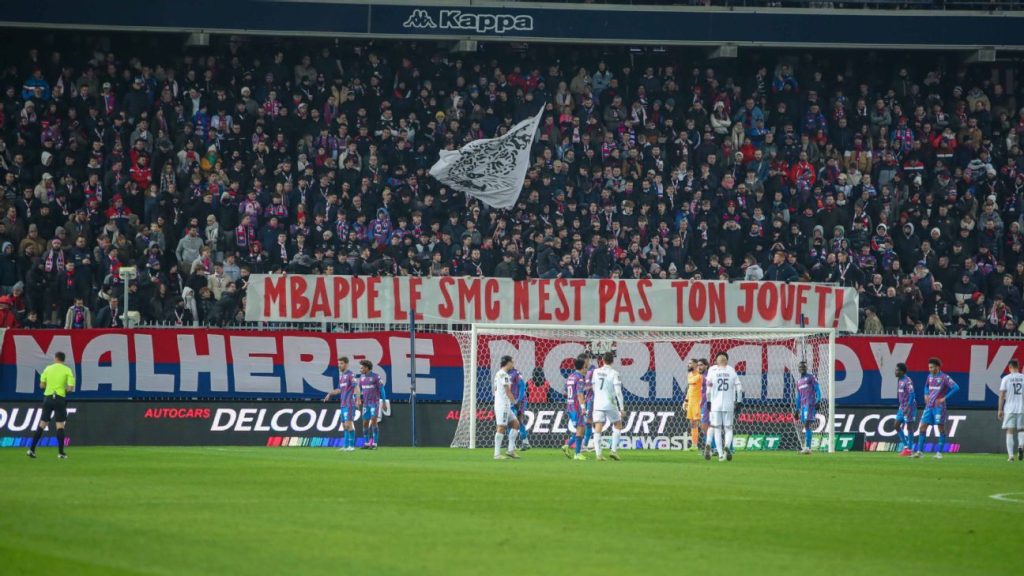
[1015, 497]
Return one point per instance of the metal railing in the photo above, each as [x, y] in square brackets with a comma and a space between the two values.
[322, 327]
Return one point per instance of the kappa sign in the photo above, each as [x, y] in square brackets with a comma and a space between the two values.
[627, 303]
[462, 20]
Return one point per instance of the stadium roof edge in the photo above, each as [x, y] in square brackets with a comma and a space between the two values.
[536, 22]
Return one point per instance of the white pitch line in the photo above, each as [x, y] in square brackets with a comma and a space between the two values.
[1015, 497]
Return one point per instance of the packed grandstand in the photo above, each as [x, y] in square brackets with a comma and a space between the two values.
[894, 174]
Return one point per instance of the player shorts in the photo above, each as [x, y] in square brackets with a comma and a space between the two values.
[348, 413]
[611, 415]
[370, 411]
[936, 416]
[1014, 420]
[55, 408]
[503, 414]
[693, 410]
[908, 417]
[808, 413]
[705, 414]
[722, 418]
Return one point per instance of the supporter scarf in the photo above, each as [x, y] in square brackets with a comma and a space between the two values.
[244, 235]
[341, 227]
[54, 261]
[278, 210]
[78, 317]
[62, 207]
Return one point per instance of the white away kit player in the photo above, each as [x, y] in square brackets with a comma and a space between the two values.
[504, 399]
[1011, 409]
[725, 396]
[608, 405]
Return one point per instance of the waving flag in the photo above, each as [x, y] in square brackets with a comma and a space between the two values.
[491, 169]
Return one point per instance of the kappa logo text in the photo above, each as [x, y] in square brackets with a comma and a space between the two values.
[459, 20]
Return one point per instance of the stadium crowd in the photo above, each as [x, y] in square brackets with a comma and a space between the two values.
[205, 166]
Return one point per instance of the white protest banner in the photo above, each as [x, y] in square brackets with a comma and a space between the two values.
[607, 302]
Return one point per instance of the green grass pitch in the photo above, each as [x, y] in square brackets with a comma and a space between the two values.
[301, 511]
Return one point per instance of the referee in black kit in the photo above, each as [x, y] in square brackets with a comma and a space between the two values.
[56, 381]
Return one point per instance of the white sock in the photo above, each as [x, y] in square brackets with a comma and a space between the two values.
[616, 435]
[728, 437]
[497, 443]
[597, 444]
[718, 441]
[1020, 438]
[512, 439]
[1010, 448]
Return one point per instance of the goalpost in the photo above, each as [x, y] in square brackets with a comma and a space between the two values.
[652, 363]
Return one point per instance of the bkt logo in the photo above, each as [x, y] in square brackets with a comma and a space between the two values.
[459, 20]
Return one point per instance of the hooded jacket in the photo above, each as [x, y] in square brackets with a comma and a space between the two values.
[8, 267]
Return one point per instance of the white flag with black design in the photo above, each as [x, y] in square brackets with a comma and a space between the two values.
[491, 169]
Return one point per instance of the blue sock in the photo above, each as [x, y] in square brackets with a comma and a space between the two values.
[579, 443]
[586, 436]
[902, 437]
[344, 439]
[376, 434]
[942, 442]
[807, 437]
[713, 447]
[522, 433]
[920, 442]
[570, 441]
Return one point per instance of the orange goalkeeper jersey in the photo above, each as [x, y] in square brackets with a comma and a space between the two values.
[695, 387]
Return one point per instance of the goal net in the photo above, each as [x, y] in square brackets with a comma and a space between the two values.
[652, 364]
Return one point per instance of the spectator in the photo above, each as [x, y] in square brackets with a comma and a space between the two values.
[780, 270]
[8, 317]
[78, 316]
[752, 270]
[111, 315]
[872, 323]
[8, 268]
[188, 250]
